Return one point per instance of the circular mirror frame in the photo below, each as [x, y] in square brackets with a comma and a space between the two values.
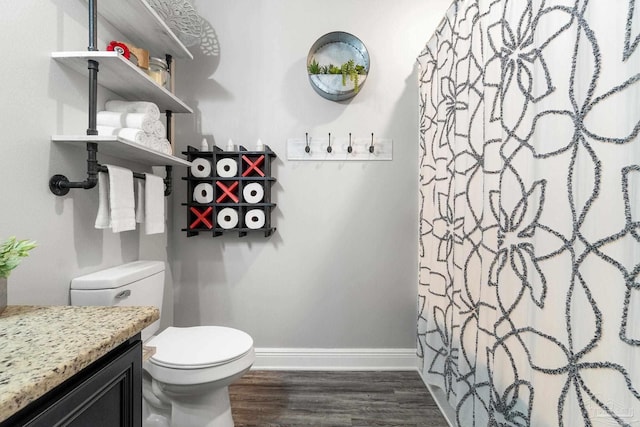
[338, 47]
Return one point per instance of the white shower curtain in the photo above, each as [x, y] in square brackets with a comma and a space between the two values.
[529, 295]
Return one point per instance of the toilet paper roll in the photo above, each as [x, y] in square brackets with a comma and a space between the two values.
[254, 219]
[253, 193]
[227, 218]
[227, 168]
[201, 168]
[203, 193]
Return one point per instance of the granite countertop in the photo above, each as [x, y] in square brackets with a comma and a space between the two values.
[41, 347]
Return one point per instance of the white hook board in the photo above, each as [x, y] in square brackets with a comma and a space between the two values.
[382, 149]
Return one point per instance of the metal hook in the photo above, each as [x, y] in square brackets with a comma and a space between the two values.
[371, 146]
[349, 148]
[307, 149]
[329, 149]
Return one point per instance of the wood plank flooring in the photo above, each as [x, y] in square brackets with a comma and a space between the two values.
[333, 399]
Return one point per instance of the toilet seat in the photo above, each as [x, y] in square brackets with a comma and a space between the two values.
[199, 347]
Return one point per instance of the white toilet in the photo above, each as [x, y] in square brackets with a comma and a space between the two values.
[185, 382]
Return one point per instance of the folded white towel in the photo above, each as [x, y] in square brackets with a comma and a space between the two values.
[121, 201]
[115, 200]
[140, 194]
[134, 107]
[103, 219]
[154, 204]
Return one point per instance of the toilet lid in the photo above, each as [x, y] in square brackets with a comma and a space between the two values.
[199, 346]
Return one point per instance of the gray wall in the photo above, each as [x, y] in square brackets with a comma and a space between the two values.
[41, 98]
[340, 272]
[341, 269]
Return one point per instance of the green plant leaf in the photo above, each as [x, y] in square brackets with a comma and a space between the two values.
[11, 252]
[314, 67]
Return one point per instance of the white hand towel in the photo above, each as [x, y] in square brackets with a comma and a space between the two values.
[154, 204]
[121, 200]
[140, 195]
[103, 219]
[111, 118]
[134, 107]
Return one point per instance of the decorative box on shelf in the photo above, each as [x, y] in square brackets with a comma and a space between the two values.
[229, 191]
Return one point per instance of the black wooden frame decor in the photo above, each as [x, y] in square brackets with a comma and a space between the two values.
[227, 191]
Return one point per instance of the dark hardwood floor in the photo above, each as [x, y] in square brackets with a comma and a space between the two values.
[333, 399]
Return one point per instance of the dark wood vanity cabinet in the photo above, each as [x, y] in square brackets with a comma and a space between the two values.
[108, 393]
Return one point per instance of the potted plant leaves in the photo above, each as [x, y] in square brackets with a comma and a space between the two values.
[345, 78]
[11, 253]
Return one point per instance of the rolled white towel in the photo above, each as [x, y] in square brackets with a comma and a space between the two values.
[115, 119]
[133, 107]
[132, 135]
[166, 146]
[111, 118]
[155, 143]
[142, 121]
[158, 129]
[107, 130]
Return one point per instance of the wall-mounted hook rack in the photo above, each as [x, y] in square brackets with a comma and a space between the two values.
[339, 148]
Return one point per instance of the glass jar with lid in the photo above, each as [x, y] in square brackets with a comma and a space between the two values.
[159, 71]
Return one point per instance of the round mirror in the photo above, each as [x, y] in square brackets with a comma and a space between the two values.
[338, 65]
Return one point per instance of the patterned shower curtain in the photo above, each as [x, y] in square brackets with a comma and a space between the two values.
[529, 283]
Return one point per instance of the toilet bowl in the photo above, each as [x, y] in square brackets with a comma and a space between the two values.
[185, 382]
[190, 374]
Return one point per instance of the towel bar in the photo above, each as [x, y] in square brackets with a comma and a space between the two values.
[60, 184]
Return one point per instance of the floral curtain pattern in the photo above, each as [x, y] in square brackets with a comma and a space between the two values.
[529, 282]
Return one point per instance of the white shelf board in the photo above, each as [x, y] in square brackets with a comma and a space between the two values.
[137, 21]
[121, 76]
[117, 147]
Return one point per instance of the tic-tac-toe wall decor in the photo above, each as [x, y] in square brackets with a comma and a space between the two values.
[229, 191]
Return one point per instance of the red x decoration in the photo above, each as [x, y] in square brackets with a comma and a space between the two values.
[227, 191]
[253, 165]
[201, 217]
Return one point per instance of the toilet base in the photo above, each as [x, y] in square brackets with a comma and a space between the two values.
[191, 397]
[210, 410]
[201, 405]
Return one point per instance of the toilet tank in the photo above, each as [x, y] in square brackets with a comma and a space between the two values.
[134, 283]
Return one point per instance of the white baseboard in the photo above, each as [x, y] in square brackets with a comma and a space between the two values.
[340, 359]
[439, 396]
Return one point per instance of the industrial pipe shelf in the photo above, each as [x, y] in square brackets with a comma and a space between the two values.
[121, 76]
